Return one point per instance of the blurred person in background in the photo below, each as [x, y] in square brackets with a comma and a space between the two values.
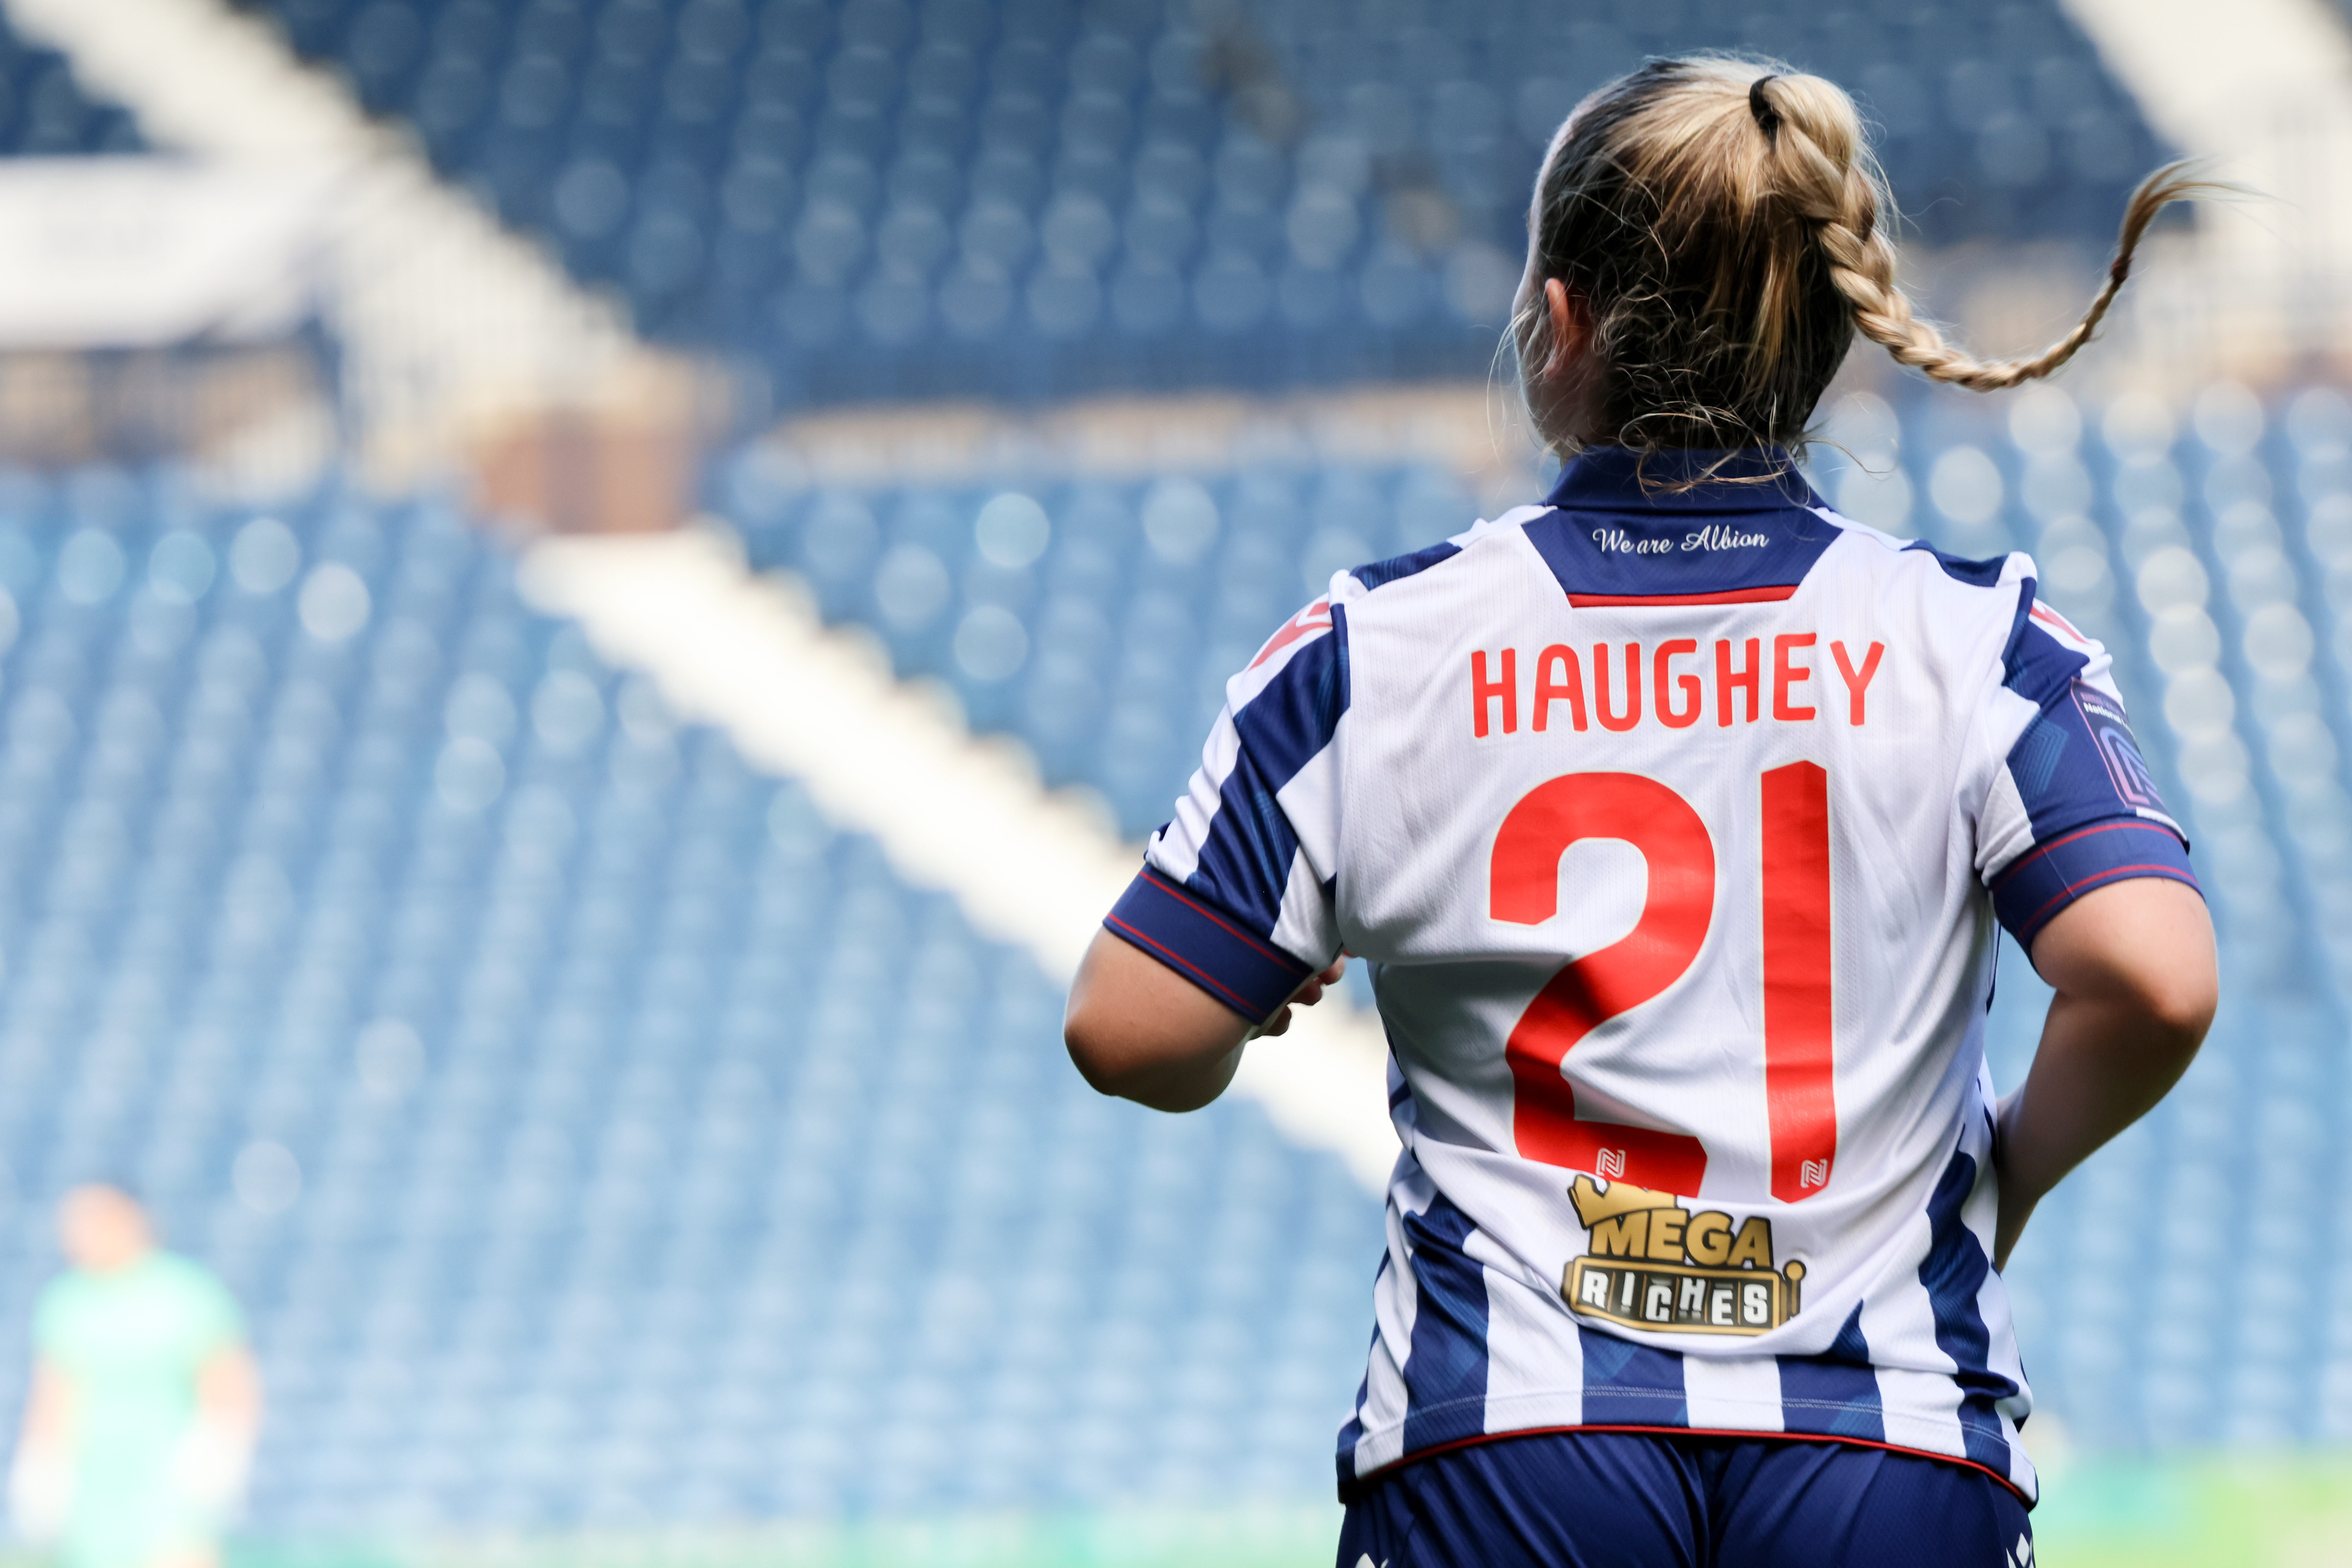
[146, 1406]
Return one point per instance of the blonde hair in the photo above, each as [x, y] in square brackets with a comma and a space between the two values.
[1721, 218]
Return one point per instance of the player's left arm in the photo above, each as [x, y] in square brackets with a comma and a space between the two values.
[2134, 969]
[1137, 1029]
[228, 1390]
[2092, 876]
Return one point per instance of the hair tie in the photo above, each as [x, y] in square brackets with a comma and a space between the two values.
[1768, 117]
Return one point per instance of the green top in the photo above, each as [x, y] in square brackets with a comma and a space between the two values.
[132, 1343]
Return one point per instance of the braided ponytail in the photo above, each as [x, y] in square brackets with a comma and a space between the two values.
[1721, 219]
[1862, 260]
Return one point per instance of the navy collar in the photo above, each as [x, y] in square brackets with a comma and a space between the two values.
[1743, 479]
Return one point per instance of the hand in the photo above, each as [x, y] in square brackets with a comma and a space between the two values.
[1306, 995]
[213, 1466]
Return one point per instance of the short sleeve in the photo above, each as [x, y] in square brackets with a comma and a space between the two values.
[53, 1317]
[1236, 891]
[2072, 806]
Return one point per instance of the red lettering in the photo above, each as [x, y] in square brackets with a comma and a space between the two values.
[1856, 685]
[1524, 889]
[1570, 688]
[1785, 675]
[1799, 972]
[1633, 714]
[1482, 691]
[1660, 676]
[1727, 681]
[1799, 1098]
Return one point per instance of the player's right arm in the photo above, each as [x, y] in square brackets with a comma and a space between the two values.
[2133, 964]
[1231, 922]
[1137, 1029]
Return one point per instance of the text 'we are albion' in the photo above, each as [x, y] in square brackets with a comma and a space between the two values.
[1678, 683]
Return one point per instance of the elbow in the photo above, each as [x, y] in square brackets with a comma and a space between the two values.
[1117, 1063]
[2182, 1007]
[2176, 1005]
[1090, 1052]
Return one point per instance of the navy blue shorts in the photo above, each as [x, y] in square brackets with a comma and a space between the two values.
[1644, 1500]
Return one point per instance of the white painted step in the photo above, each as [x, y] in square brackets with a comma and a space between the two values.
[950, 810]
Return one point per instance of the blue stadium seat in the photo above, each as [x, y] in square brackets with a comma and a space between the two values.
[879, 200]
[1096, 621]
[658, 1154]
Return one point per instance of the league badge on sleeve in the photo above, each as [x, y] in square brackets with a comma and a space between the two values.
[2126, 769]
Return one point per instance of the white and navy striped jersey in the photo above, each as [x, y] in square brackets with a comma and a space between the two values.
[1674, 825]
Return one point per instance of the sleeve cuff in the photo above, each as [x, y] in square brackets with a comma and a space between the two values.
[2049, 877]
[1245, 973]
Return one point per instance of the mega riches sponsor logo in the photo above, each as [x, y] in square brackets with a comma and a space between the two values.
[1654, 1263]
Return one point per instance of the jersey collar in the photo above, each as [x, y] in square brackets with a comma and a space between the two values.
[1742, 480]
[1615, 537]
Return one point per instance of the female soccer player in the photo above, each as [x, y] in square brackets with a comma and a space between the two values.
[1674, 816]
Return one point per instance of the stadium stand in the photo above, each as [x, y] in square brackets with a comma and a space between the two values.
[687, 1163]
[1034, 198]
[1099, 631]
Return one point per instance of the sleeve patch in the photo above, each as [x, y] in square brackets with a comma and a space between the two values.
[1206, 946]
[2077, 763]
[2111, 731]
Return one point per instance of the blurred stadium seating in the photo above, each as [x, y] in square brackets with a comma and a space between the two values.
[1099, 629]
[2211, 560]
[1039, 198]
[689, 1164]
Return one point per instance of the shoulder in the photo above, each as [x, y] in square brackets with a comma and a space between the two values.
[2040, 651]
[1875, 549]
[1984, 612]
[2046, 653]
[1998, 585]
[59, 1302]
[1479, 542]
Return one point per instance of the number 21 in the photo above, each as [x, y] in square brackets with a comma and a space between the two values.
[1524, 889]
